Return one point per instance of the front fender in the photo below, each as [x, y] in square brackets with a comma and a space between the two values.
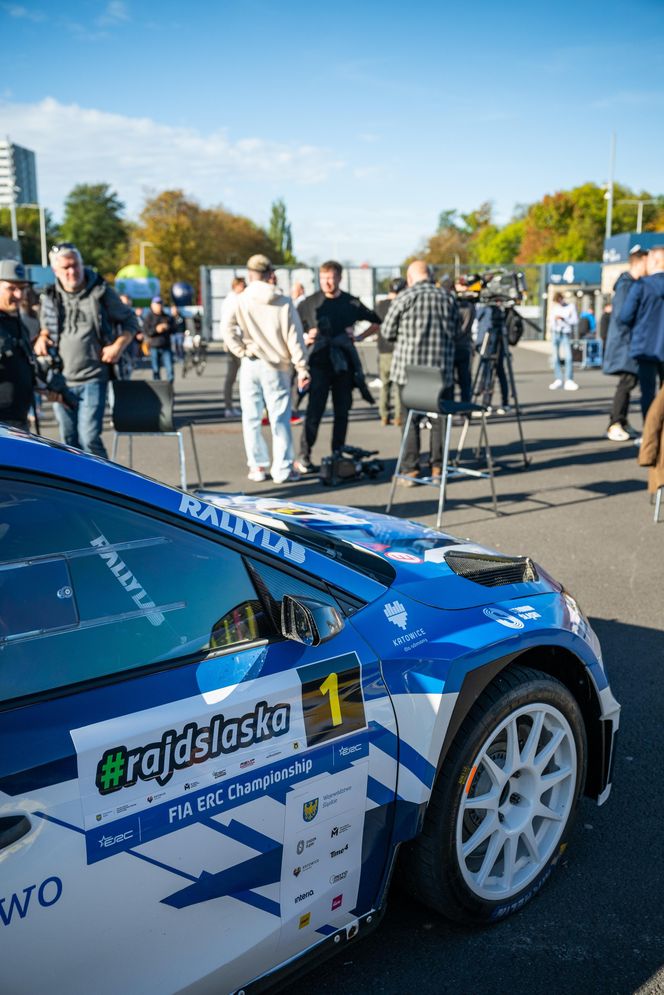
[436, 663]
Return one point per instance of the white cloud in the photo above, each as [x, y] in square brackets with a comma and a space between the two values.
[82, 145]
[22, 13]
[115, 13]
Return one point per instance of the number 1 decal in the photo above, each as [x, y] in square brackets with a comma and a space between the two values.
[331, 686]
[332, 700]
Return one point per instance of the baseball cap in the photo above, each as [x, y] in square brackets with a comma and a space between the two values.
[260, 264]
[13, 271]
[156, 300]
[638, 250]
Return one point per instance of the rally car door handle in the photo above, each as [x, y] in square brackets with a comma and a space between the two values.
[12, 828]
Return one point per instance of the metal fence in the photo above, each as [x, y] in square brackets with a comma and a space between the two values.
[370, 284]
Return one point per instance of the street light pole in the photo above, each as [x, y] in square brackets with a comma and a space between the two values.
[609, 192]
[141, 252]
[639, 209]
[42, 234]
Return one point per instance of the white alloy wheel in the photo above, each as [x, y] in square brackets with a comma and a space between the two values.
[517, 801]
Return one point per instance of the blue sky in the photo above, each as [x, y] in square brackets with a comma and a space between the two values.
[367, 118]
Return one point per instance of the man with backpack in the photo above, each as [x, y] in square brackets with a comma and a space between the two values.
[85, 328]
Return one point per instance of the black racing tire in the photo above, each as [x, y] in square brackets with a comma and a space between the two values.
[489, 790]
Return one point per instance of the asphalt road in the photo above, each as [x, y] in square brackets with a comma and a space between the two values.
[582, 511]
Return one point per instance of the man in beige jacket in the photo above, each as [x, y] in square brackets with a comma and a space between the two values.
[263, 329]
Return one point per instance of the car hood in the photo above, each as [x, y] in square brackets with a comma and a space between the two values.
[428, 565]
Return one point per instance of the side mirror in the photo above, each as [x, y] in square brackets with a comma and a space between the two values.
[307, 621]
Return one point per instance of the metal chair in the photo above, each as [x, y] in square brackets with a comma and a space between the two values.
[422, 395]
[142, 407]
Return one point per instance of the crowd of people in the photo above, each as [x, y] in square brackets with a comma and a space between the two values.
[284, 347]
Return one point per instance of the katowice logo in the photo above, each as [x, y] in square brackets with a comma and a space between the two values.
[396, 614]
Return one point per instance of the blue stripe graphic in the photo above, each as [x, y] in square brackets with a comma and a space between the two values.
[413, 761]
[242, 834]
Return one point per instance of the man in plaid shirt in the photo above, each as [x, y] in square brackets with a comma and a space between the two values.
[423, 322]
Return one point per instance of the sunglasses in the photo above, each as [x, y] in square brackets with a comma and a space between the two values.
[64, 247]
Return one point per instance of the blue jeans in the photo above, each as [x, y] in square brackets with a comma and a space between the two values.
[159, 358]
[82, 428]
[261, 386]
[561, 339]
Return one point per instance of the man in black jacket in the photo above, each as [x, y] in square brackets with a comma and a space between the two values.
[16, 362]
[328, 317]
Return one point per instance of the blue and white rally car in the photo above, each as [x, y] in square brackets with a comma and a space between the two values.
[222, 720]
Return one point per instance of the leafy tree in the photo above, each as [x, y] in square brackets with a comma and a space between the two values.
[93, 222]
[27, 222]
[280, 232]
[496, 246]
[185, 236]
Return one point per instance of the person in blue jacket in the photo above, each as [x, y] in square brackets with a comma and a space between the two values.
[643, 312]
[617, 360]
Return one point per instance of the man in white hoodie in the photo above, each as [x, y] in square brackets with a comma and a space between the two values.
[263, 329]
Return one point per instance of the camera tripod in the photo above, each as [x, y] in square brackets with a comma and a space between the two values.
[495, 346]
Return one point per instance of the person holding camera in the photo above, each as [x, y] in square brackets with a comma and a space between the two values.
[16, 358]
[79, 318]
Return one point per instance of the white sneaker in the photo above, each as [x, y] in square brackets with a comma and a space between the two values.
[258, 474]
[291, 477]
[556, 385]
[638, 440]
[376, 383]
[570, 385]
[616, 433]
[503, 409]
[233, 413]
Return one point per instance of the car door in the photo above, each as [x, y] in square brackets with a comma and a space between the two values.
[184, 795]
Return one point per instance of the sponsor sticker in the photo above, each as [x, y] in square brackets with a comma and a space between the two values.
[503, 618]
[304, 920]
[403, 557]
[395, 613]
[243, 528]
[337, 901]
[310, 810]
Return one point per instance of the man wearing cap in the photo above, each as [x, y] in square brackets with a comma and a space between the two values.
[263, 330]
[617, 360]
[157, 329]
[16, 362]
[85, 327]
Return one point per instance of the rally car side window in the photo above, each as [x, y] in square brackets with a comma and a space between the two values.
[89, 589]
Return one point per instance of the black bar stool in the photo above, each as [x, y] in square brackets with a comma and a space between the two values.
[422, 395]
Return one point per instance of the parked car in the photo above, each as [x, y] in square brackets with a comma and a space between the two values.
[223, 721]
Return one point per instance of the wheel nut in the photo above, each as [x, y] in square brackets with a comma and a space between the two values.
[515, 799]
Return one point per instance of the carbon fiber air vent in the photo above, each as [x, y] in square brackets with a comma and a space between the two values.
[491, 571]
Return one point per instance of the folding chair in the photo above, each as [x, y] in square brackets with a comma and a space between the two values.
[145, 408]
